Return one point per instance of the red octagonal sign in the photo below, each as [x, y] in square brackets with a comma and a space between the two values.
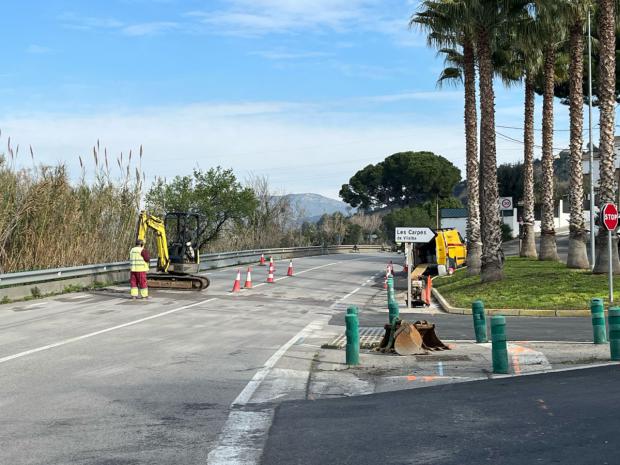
[609, 215]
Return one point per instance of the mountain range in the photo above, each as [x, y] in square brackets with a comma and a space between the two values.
[313, 206]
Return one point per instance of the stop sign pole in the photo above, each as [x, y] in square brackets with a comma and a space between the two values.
[609, 217]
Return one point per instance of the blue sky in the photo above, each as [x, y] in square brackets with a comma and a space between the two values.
[305, 92]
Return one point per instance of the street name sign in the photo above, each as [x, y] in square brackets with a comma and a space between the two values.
[609, 215]
[417, 235]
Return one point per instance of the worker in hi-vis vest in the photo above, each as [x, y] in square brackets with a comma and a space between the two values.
[139, 260]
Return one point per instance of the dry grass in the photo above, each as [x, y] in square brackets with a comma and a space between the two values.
[47, 221]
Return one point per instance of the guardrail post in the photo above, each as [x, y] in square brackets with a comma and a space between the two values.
[499, 349]
[614, 332]
[480, 322]
[353, 336]
[599, 332]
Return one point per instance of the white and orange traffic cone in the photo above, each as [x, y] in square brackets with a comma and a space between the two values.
[248, 279]
[270, 274]
[237, 284]
[290, 269]
[391, 267]
[262, 260]
[271, 265]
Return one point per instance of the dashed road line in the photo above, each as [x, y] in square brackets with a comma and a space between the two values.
[103, 331]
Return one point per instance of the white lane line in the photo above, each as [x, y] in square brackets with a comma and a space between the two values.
[245, 395]
[350, 294]
[103, 331]
[243, 437]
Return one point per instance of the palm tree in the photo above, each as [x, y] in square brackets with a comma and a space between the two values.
[577, 249]
[490, 19]
[607, 87]
[522, 62]
[550, 31]
[447, 29]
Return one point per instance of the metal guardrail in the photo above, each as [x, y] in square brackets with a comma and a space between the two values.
[212, 260]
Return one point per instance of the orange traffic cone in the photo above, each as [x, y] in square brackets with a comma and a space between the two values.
[271, 265]
[270, 274]
[237, 284]
[262, 260]
[290, 269]
[248, 280]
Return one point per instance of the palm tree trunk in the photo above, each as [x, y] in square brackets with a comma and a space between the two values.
[607, 86]
[528, 243]
[491, 269]
[474, 246]
[548, 247]
[577, 249]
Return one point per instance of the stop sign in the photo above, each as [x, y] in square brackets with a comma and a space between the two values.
[609, 215]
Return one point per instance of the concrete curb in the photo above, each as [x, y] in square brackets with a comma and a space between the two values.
[446, 307]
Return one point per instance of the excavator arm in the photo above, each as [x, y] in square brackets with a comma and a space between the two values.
[145, 222]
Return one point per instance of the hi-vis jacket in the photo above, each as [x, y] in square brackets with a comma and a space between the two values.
[136, 261]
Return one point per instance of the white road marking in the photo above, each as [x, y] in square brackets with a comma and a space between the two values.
[245, 395]
[103, 331]
[80, 296]
[440, 368]
[243, 436]
[350, 294]
[244, 433]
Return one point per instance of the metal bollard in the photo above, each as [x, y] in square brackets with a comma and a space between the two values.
[353, 338]
[352, 310]
[499, 349]
[390, 293]
[480, 322]
[598, 321]
[393, 311]
[614, 332]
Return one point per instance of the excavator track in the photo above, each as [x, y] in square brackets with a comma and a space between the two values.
[185, 282]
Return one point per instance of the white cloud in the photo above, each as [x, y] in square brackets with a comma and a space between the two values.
[259, 17]
[277, 55]
[146, 29]
[298, 147]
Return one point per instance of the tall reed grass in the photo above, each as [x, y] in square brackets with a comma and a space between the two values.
[48, 221]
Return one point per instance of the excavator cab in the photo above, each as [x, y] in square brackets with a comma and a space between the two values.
[183, 230]
[177, 238]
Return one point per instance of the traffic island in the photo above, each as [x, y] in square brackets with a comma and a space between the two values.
[466, 361]
[529, 288]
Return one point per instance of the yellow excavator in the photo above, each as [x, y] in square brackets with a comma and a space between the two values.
[177, 238]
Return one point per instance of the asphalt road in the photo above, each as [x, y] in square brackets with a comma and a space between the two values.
[564, 417]
[100, 379]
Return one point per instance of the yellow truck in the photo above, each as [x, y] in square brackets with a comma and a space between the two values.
[447, 249]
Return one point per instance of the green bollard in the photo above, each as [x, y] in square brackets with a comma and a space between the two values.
[352, 310]
[598, 321]
[390, 289]
[614, 332]
[499, 349]
[353, 339]
[393, 311]
[480, 322]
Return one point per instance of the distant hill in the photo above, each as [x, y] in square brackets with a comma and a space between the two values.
[315, 205]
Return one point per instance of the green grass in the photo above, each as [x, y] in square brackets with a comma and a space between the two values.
[528, 284]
